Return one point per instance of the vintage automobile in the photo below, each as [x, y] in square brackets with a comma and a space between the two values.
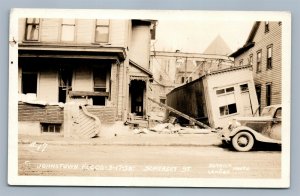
[243, 132]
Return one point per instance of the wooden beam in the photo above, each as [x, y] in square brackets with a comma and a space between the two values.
[88, 93]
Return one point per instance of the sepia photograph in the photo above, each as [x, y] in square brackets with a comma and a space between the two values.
[149, 98]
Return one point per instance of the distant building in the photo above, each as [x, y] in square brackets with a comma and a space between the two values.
[262, 51]
[103, 64]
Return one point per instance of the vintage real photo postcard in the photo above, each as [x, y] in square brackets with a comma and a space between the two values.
[149, 98]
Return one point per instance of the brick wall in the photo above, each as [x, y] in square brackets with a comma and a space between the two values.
[48, 114]
[105, 114]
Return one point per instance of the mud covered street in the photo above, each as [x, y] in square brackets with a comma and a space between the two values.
[146, 161]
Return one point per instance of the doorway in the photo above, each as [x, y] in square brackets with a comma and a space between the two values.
[137, 92]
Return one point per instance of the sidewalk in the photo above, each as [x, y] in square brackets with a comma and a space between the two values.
[123, 135]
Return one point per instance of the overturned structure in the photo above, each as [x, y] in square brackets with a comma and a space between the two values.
[217, 97]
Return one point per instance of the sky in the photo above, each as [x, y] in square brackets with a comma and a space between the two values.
[194, 36]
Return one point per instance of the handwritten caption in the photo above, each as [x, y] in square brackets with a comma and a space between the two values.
[109, 167]
[225, 169]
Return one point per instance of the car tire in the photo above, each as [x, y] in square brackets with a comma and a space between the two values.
[243, 141]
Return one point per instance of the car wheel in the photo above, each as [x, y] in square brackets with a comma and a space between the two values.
[243, 141]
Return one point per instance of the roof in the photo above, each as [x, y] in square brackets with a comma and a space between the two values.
[141, 68]
[218, 46]
[249, 43]
[235, 68]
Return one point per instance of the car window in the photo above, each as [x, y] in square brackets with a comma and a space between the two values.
[278, 113]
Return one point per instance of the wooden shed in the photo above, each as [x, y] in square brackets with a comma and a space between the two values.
[217, 97]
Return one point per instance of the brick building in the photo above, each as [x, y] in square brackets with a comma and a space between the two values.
[262, 50]
[103, 64]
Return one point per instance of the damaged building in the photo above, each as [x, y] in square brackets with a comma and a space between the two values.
[100, 67]
[217, 97]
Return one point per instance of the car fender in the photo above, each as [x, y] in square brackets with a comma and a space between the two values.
[257, 136]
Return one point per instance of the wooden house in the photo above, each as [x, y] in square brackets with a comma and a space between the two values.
[217, 97]
[262, 51]
[103, 64]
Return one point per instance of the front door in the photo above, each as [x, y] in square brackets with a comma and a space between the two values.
[137, 88]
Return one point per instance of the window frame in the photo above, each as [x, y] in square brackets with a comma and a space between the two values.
[251, 59]
[258, 63]
[31, 24]
[268, 94]
[48, 125]
[269, 59]
[67, 24]
[267, 26]
[241, 62]
[102, 25]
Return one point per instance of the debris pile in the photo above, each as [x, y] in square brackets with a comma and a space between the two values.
[168, 126]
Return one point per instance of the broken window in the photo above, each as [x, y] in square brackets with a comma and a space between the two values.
[68, 30]
[65, 83]
[29, 82]
[226, 101]
[100, 80]
[32, 29]
[258, 61]
[269, 56]
[98, 100]
[102, 31]
[228, 109]
[244, 88]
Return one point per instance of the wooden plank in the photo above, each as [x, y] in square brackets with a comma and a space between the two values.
[88, 93]
[181, 114]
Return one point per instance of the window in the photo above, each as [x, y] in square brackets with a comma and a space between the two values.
[258, 61]
[29, 82]
[182, 80]
[32, 29]
[251, 59]
[100, 80]
[50, 128]
[162, 100]
[267, 27]
[268, 93]
[98, 100]
[102, 31]
[244, 88]
[65, 83]
[228, 109]
[68, 30]
[226, 101]
[269, 57]
[225, 90]
[190, 79]
[241, 62]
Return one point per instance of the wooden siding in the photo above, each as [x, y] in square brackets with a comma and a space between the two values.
[85, 31]
[190, 100]
[140, 45]
[262, 41]
[50, 31]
